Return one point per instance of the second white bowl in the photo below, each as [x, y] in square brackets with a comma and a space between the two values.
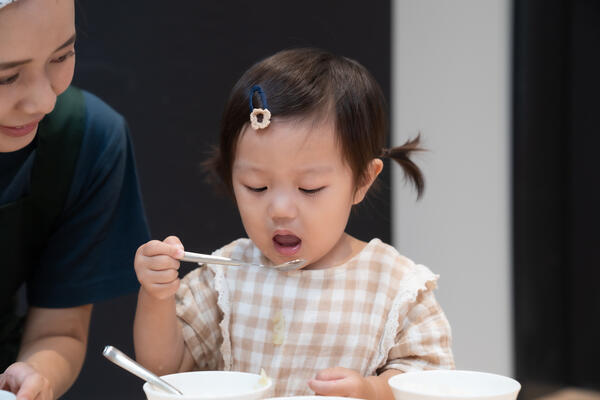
[453, 385]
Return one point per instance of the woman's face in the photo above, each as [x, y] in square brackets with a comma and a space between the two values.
[37, 59]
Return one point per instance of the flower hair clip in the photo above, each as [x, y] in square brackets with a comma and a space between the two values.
[260, 118]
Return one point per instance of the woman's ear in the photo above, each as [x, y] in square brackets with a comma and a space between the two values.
[373, 169]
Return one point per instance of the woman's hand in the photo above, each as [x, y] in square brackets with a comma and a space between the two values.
[342, 382]
[51, 355]
[156, 266]
[22, 379]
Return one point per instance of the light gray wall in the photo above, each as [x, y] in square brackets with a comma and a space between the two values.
[451, 74]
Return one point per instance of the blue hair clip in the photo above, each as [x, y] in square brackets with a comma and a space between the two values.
[260, 118]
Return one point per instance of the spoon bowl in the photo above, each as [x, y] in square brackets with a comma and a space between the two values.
[292, 265]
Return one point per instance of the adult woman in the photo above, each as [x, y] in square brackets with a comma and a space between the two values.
[70, 208]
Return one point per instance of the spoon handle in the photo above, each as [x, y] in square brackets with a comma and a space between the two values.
[205, 258]
[127, 363]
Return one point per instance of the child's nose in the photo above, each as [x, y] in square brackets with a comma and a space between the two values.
[282, 207]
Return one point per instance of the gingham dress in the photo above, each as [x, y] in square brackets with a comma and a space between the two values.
[372, 313]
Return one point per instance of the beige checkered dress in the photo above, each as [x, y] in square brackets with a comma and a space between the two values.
[375, 312]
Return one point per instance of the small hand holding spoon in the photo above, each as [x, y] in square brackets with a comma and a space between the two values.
[127, 363]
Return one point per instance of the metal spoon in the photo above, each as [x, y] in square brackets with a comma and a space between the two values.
[204, 258]
[119, 358]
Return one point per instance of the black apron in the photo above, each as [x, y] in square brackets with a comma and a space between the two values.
[26, 224]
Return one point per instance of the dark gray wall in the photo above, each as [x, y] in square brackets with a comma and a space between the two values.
[168, 68]
[556, 170]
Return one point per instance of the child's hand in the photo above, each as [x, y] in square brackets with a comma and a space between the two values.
[342, 382]
[156, 266]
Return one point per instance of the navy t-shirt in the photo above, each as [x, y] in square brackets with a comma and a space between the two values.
[89, 257]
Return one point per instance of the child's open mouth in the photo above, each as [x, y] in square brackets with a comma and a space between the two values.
[287, 245]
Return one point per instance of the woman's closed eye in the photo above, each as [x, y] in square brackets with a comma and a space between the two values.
[311, 191]
[13, 78]
[9, 80]
[63, 57]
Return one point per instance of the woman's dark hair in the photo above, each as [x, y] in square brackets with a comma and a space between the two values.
[313, 83]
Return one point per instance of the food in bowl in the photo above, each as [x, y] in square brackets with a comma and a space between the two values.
[453, 384]
[264, 379]
[213, 385]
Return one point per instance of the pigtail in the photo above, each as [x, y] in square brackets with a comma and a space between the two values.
[401, 154]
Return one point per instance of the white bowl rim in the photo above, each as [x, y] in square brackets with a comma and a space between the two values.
[149, 388]
[516, 385]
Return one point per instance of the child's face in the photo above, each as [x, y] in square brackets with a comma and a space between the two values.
[36, 65]
[294, 191]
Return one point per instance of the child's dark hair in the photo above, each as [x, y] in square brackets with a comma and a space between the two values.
[313, 83]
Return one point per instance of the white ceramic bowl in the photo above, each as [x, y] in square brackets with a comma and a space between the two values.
[212, 385]
[4, 395]
[453, 385]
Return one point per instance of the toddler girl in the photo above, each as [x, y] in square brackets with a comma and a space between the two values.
[357, 313]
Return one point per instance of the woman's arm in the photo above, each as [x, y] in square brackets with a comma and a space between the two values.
[52, 352]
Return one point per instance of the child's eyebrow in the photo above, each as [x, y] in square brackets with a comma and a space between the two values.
[246, 167]
[316, 169]
[319, 169]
